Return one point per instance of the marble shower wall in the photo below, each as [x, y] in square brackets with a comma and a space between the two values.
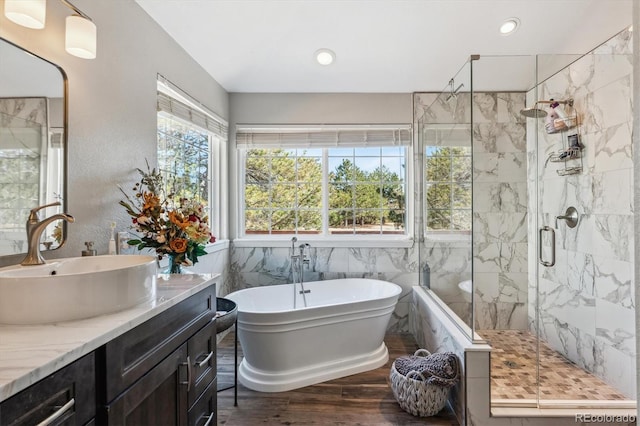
[587, 301]
[500, 211]
[23, 128]
[258, 266]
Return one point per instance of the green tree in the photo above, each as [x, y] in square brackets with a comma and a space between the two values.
[280, 186]
[448, 188]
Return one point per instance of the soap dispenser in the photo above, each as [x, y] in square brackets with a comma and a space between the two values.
[112, 240]
[90, 251]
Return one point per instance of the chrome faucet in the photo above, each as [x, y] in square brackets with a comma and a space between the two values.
[35, 228]
[571, 216]
[297, 263]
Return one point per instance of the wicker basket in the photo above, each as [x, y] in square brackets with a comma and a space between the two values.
[417, 396]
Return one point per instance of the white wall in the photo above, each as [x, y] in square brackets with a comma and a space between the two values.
[112, 106]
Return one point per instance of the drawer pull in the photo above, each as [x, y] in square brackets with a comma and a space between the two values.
[209, 419]
[205, 361]
[59, 413]
[188, 382]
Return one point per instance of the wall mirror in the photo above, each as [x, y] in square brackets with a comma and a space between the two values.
[32, 146]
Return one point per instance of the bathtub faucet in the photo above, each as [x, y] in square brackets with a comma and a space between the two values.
[297, 269]
[304, 253]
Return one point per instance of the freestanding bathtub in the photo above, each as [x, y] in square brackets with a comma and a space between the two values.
[340, 332]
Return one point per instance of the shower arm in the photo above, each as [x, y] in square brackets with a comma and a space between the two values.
[567, 102]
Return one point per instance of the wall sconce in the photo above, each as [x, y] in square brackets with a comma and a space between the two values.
[80, 33]
[28, 13]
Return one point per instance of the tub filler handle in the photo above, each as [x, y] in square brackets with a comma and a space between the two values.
[553, 246]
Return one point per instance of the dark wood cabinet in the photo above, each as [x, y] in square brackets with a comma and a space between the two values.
[158, 398]
[156, 372]
[204, 411]
[67, 397]
[128, 357]
[162, 372]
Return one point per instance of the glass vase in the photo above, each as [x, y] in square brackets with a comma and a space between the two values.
[174, 266]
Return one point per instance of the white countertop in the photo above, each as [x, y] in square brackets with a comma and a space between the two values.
[29, 353]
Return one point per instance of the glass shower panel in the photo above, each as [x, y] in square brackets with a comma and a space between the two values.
[444, 180]
[585, 299]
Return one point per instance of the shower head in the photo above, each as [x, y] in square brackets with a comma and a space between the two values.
[533, 112]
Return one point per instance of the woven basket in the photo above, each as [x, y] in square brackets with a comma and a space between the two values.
[417, 396]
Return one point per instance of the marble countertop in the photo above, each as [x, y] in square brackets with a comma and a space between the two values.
[29, 353]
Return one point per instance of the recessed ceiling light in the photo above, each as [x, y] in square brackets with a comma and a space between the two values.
[325, 56]
[509, 26]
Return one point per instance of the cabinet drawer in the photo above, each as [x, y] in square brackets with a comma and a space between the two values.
[130, 356]
[202, 356]
[75, 382]
[205, 410]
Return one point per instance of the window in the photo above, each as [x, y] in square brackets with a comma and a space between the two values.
[190, 141]
[447, 180]
[294, 183]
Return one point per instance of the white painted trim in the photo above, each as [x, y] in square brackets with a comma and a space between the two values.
[217, 246]
[350, 242]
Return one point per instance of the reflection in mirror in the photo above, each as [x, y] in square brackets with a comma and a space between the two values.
[32, 146]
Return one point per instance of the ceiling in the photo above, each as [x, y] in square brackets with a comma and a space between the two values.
[380, 45]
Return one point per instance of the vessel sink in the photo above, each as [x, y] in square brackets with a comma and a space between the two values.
[75, 288]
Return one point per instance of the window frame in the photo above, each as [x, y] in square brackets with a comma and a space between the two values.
[446, 234]
[216, 158]
[323, 238]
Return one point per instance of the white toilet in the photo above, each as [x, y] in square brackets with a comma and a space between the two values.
[465, 287]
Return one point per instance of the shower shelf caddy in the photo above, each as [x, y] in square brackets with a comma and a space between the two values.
[571, 150]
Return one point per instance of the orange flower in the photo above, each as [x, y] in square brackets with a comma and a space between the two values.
[150, 200]
[178, 220]
[179, 245]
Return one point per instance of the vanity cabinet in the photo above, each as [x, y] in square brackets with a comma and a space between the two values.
[157, 372]
[67, 397]
[161, 372]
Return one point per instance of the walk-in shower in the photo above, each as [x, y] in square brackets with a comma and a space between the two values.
[532, 162]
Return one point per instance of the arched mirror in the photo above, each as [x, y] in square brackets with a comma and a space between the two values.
[32, 146]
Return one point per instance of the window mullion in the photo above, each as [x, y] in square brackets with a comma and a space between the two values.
[325, 192]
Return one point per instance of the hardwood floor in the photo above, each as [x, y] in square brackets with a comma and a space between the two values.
[361, 399]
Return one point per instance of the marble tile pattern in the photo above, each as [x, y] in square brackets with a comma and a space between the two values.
[23, 126]
[258, 266]
[429, 327]
[587, 301]
[29, 353]
[500, 210]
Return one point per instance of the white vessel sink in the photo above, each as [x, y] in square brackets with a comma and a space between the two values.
[75, 288]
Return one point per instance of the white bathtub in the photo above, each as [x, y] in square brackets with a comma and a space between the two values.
[339, 333]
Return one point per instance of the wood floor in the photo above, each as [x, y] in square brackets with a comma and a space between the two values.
[361, 399]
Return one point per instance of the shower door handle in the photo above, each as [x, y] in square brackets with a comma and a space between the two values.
[553, 247]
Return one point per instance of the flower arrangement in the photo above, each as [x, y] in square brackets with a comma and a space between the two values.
[178, 228]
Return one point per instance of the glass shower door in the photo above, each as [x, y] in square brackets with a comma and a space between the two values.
[584, 308]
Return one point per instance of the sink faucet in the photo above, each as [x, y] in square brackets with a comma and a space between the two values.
[35, 227]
